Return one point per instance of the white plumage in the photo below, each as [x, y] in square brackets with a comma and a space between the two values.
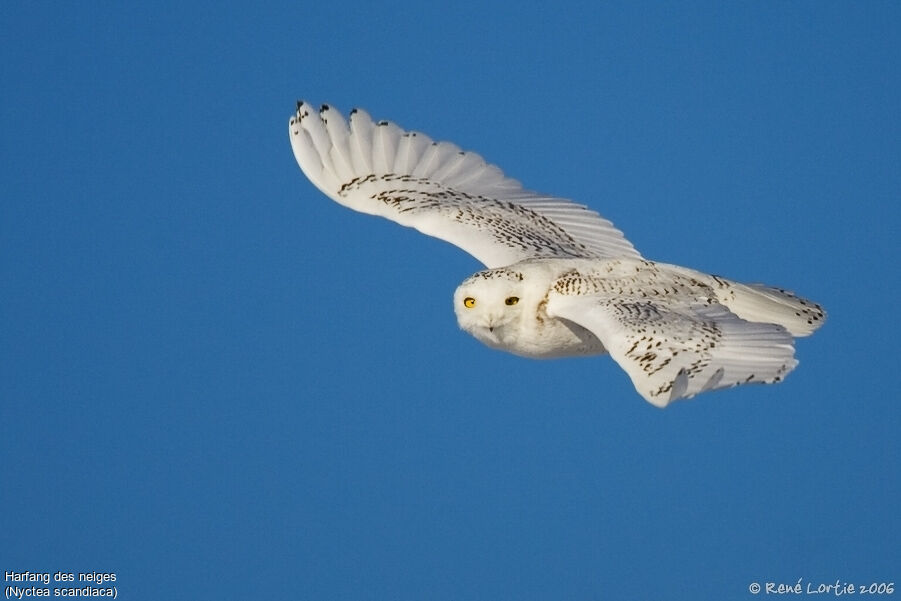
[562, 280]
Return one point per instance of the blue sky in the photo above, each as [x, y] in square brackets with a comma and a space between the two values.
[218, 384]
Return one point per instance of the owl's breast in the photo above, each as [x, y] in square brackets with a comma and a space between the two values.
[541, 337]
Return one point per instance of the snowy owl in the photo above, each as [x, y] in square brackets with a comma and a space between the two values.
[562, 281]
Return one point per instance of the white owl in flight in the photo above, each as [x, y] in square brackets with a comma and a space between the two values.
[561, 281]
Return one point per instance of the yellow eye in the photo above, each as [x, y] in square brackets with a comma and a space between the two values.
[511, 300]
[469, 302]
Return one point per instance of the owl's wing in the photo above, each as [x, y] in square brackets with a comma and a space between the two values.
[380, 169]
[675, 350]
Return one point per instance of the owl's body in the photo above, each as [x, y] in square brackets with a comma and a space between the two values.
[523, 328]
[562, 281]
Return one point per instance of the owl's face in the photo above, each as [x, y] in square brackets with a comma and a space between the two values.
[487, 302]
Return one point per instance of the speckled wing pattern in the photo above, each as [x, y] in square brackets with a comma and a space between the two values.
[442, 191]
[670, 334]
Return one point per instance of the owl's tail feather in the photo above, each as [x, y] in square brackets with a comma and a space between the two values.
[760, 303]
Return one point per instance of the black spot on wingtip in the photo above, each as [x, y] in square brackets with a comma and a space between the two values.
[354, 111]
[382, 123]
[324, 108]
[299, 104]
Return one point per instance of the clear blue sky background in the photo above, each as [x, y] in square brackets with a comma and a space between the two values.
[218, 384]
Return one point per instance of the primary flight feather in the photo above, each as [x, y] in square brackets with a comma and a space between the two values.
[561, 280]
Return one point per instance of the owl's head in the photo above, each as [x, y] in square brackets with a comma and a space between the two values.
[489, 300]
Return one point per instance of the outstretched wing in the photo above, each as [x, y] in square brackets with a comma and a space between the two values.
[674, 350]
[380, 169]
